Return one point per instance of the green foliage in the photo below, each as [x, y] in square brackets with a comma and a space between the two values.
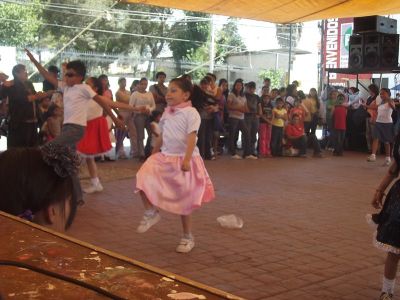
[228, 35]
[200, 56]
[19, 34]
[92, 40]
[194, 31]
[277, 77]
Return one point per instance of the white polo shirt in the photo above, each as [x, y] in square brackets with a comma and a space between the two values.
[175, 127]
[76, 101]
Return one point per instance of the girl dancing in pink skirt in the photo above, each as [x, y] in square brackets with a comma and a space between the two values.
[175, 179]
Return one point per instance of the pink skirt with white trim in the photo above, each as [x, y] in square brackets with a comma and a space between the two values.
[169, 188]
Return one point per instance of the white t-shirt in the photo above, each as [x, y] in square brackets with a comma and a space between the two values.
[384, 113]
[76, 99]
[143, 99]
[290, 100]
[94, 110]
[175, 127]
[236, 100]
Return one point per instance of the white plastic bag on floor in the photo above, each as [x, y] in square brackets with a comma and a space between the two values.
[230, 221]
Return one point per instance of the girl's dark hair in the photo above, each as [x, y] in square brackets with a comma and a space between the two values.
[204, 81]
[374, 89]
[51, 110]
[212, 75]
[155, 114]
[78, 66]
[28, 183]
[221, 82]
[315, 97]
[387, 91]
[239, 80]
[301, 95]
[121, 79]
[184, 84]
[290, 90]
[143, 79]
[97, 84]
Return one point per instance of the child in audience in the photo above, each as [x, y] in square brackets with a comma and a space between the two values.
[279, 117]
[264, 132]
[339, 114]
[52, 127]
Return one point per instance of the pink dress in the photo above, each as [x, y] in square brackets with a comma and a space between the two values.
[161, 178]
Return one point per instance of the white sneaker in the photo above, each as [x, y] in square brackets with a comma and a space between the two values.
[185, 245]
[371, 158]
[387, 162]
[147, 222]
[251, 157]
[93, 188]
[236, 156]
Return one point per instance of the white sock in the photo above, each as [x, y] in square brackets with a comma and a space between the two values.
[150, 212]
[388, 285]
[95, 180]
[388, 158]
[188, 236]
[373, 155]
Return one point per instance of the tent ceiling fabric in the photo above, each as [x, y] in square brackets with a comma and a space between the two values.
[283, 11]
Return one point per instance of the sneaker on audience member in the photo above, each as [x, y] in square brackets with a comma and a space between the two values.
[147, 222]
[122, 156]
[386, 296]
[93, 188]
[371, 158]
[251, 157]
[185, 245]
[236, 156]
[387, 162]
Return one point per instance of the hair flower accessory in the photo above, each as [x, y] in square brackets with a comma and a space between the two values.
[64, 161]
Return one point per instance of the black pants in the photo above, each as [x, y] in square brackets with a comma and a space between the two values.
[276, 140]
[252, 123]
[21, 134]
[301, 144]
[205, 136]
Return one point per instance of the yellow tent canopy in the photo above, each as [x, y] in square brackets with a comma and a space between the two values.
[282, 11]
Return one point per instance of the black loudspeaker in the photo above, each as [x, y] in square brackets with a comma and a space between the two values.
[381, 51]
[356, 52]
[373, 51]
[375, 24]
[390, 51]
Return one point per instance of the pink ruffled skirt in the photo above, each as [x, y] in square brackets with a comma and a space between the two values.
[171, 189]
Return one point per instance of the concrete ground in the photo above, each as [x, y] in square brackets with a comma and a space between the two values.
[304, 234]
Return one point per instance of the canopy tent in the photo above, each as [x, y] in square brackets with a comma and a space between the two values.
[282, 11]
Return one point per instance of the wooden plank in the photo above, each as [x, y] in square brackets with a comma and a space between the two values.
[37, 246]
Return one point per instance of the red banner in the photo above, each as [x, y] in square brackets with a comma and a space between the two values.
[336, 49]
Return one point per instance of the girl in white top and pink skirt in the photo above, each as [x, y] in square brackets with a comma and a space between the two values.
[175, 179]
